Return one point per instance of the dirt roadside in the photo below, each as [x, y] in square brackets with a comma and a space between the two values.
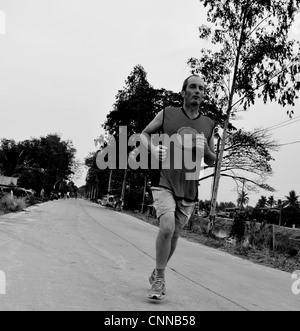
[266, 257]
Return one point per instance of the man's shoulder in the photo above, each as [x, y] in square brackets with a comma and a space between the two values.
[208, 119]
[173, 111]
[171, 108]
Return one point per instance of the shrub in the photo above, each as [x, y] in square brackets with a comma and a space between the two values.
[32, 200]
[261, 235]
[133, 200]
[9, 204]
[238, 227]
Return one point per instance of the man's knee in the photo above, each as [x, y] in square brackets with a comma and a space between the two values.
[177, 233]
[167, 225]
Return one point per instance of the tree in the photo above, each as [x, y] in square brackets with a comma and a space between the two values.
[271, 201]
[247, 158]
[37, 162]
[12, 155]
[96, 175]
[262, 202]
[204, 205]
[255, 58]
[136, 105]
[243, 199]
[53, 158]
[290, 212]
[222, 206]
[292, 199]
[77, 170]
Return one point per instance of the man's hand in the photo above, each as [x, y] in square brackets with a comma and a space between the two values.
[160, 152]
[202, 143]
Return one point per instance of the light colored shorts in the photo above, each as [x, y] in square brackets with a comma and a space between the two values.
[164, 203]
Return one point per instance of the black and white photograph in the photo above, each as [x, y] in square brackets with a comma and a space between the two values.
[149, 158]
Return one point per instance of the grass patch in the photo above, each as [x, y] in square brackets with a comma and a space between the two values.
[259, 254]
[9, 204]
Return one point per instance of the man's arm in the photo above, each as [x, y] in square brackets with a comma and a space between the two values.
[209, 154]
[153, 127]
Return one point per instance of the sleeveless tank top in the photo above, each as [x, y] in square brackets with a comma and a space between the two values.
[179, 134]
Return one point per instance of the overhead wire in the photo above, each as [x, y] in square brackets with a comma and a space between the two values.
[283, 124]
[292, 143]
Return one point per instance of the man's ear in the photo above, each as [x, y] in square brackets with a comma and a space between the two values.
[182, 93]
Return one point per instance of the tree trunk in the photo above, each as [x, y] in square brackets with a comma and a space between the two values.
[212, 216]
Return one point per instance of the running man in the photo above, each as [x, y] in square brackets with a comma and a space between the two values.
[175, 194]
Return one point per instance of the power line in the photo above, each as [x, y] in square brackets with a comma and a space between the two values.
[273, 126]
[283, 124]
[293, 143]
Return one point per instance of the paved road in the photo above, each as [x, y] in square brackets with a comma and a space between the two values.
[75, 255]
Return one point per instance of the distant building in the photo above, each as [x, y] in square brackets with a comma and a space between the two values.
[7, 181]
[6, 184]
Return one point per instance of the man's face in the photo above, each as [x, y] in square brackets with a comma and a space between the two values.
[194, 93]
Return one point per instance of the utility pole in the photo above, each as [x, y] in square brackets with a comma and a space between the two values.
[144, 193]
[124, 187]
[109, 183]
[280, 212]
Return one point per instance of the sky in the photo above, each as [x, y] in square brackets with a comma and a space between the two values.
[62, 62]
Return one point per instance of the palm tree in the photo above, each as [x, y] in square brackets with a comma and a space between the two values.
[292, 199]
[262, 202]
[243, 199]
[271, 201]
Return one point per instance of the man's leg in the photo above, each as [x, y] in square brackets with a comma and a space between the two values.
[164, 242]
[184, 211]
[165, 206]
[163, 250]
[174, 240]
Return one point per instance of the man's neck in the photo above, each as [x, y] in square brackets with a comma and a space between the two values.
[191, 111]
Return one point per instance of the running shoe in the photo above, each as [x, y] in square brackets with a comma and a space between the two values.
[152, 279]
[157, 291]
